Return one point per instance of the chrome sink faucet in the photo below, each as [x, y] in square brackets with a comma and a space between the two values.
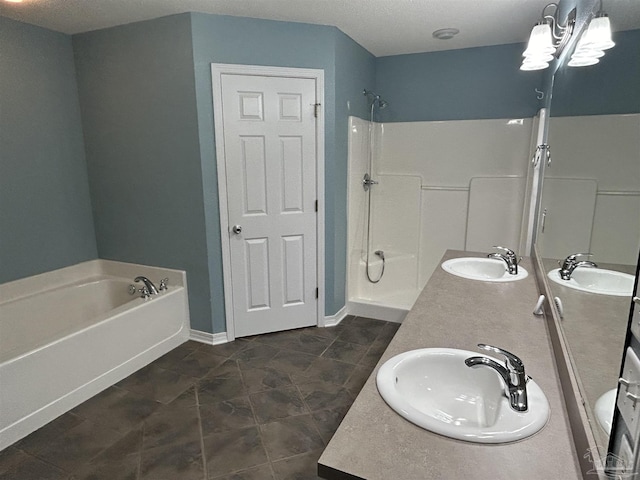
[569, 264]
[509, 257]
[512, 373]
[148, 289]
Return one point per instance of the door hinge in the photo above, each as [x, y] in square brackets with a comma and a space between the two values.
[317, 292]
[316, 205]
[316, 106]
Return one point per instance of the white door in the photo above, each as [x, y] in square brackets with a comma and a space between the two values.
[269, 131]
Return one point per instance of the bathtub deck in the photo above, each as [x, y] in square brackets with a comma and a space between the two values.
[204, 411]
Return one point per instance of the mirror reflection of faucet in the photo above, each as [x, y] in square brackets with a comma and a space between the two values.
[569, 264]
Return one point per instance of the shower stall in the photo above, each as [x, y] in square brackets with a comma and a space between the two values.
[383, 263]
[419, 188]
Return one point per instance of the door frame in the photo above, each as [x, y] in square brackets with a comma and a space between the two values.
[217, 70]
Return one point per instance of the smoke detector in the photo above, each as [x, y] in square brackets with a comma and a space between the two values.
[445, 33]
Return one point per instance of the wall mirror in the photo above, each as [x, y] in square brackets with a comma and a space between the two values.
[591, 204]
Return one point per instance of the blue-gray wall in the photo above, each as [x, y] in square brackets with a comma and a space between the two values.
[223, 39]
[612, 86]
[45, 211]
[137, 92]
[470, 83]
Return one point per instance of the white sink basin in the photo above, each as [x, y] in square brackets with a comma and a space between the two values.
[484, 269]
[434, 389]
[597, 280]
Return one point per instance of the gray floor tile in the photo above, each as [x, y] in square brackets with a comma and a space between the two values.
[227, 415]
[290, 436]
[325, 369]
[262, 472]
[213, 389]
[197, 364]
[278, 339]
[277, 403]
[291, 362]
[257, 355]
[10, 457]
[301, 467]
[345, 352]
[181, 461]
[228, 349]
[79, 445]
[31, 468]
[319, 395]
[157, 383]
[358, 378]
[49, 434]
[233, 451]
[311, 344]
[117, 409]
[177, 354]
[260, 379]
[360, 334]
[327, 421]
[171, 425]
[122, 469]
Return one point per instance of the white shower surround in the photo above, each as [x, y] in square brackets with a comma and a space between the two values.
[68, 334]
[453, 184]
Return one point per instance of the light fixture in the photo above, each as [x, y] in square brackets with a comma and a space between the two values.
[595, 39]
[548, 38]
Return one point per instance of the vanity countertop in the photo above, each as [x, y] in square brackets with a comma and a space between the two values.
[375, 443]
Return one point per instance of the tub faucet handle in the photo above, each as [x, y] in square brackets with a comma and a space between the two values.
[144, 293]
[163, 284]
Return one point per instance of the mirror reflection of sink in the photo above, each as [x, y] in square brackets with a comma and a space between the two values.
[434, 389]
[484, 269]
[597, 280]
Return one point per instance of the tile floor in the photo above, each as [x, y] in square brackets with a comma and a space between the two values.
[259, 408]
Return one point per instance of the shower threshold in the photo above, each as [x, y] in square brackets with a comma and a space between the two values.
[391, 307]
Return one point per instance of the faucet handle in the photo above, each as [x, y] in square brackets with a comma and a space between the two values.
[508, 251]
[574, 256]
[163, 284]
[513, 361]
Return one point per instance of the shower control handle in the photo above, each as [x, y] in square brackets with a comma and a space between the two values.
[237, 229]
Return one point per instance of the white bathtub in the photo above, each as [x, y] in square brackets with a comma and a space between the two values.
[69, 334]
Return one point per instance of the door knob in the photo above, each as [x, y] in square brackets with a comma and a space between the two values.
[237, 229]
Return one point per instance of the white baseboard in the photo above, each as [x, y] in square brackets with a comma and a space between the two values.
[333, 320]
[208, 338]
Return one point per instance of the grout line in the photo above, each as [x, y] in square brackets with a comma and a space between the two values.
[204, 454]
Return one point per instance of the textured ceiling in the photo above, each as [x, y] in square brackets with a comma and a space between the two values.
[384, 27]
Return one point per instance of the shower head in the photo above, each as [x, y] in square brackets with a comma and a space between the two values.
[376, 100]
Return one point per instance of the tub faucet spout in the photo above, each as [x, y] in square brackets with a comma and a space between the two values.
[148, 284]
[513, 375]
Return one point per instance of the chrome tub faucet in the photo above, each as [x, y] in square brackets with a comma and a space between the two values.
[569, 264]
[148, 289]
[512, 373]
[509, 257]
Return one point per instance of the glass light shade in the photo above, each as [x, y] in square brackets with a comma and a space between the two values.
[533, 64]
[540, 42]
[543, 57]
[582, 61]
[587, 52]
[598, 35]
